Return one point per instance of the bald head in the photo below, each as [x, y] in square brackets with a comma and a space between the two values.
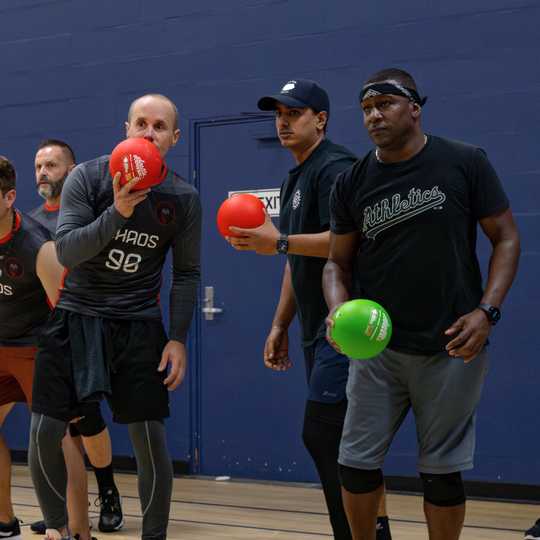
[155, 118]
[150, 97]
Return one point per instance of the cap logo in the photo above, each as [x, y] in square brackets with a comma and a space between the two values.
[288, 87]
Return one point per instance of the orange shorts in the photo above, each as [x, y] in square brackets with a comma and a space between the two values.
[16, 374]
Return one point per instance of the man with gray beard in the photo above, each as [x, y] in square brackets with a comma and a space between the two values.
[53, 162]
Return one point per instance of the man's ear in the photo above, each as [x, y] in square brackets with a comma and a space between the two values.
[322, 120]
[176, 136]
[10, 197]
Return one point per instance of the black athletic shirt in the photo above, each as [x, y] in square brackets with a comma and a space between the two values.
[418, 222]
[47, 216]
[304, 203]
[115, 263]
[23, 302]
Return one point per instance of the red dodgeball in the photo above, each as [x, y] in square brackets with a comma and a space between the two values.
[243, 210]
[137, 157]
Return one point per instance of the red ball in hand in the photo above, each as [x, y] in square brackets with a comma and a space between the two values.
[242, 210]
[138, 158]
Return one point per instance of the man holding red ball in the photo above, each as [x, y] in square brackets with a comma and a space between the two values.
[106, 337]
[302, 110]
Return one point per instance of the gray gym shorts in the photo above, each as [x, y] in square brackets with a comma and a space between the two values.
[443, 393]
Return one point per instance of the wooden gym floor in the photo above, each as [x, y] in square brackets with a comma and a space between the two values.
[205, 509]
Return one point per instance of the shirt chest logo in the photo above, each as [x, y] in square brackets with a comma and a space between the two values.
[393, 210]
[165, 213]
[297, 199]
[13, 268]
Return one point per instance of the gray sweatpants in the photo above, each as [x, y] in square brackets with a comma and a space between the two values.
[443, 393]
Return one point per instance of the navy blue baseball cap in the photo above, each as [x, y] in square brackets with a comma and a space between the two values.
[300, 93]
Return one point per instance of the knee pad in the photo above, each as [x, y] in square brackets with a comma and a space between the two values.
[91, 424]
[443, 489]
[360, 480]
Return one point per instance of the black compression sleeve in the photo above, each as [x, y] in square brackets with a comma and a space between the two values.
[186, 271]
[80, 234]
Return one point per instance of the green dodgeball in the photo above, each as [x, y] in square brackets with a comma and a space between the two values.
[362, 329]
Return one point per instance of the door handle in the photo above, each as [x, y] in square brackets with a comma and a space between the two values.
[208, 309]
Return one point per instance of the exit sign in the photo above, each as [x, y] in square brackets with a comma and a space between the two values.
[269, 197]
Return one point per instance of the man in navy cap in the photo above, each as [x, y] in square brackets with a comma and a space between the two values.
[302, 110]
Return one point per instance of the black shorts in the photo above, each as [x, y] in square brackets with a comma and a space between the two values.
[82, 359]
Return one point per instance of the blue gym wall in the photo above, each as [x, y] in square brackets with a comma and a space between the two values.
[69, 69]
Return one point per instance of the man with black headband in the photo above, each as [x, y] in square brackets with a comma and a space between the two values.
[302, 109]
[53, 162]
[403, 233]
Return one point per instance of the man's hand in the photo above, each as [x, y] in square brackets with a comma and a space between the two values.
[472, 332]
[262, 240]
[276, 349]
[329, 325]
[174, 355]
[125, 200]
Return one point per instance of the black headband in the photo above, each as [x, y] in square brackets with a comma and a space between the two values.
[391, 87]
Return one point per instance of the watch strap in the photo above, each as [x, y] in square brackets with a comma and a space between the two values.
[492, 313]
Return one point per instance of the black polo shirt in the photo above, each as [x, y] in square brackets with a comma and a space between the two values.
[305, 209]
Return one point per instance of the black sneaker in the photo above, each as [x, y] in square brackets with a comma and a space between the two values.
[38, 527]
[11, 530]
[111, 518]
[534, 532]
[383, 528]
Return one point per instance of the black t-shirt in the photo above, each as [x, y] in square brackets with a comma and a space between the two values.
[46, 216]
[418, 222]
[115, 263]
[304, 203]
[23, 302]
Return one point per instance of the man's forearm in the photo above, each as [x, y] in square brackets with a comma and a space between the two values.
[286, 308]
[502, 271]
[182, 302]
[336, 284]
[310, 245]
[75, 245]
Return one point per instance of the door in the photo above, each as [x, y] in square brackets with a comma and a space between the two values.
[249, 418]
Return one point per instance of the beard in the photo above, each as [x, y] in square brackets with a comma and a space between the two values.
[49, 189]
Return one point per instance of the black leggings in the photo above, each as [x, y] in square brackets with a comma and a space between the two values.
[323, 424]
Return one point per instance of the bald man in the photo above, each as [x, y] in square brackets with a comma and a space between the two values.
[106, 337]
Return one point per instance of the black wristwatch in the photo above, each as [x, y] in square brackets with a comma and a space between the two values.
[282, 244]
[492, 313]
